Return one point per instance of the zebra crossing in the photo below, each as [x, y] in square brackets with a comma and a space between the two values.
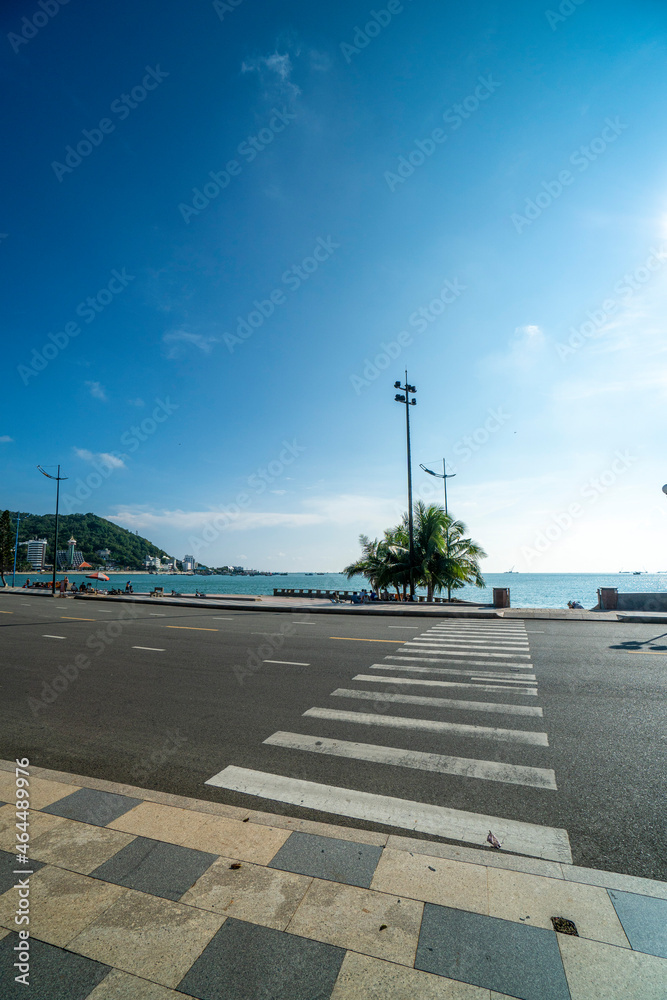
[460, 658]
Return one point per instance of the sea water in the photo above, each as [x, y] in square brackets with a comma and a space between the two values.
[527, 590]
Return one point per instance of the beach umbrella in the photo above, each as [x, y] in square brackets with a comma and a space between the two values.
[96, 576]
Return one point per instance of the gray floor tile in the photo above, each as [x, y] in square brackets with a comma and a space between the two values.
[8, 865]
[328, 858]
[55, 974]
[89, 805]
[248, 962]
[499, 955]
[644, 921]
[150, 866]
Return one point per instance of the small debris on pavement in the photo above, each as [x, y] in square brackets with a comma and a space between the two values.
[564, 926]
[493, 840]
[235, 865]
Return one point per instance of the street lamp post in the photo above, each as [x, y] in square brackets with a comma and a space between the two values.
[16, 548]
[58, 479]
[445, 476]
[407, 389]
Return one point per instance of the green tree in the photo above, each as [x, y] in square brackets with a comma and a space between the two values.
[6, 545]
[444, 557]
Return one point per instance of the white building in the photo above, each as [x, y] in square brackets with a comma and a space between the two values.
[189, 564]
[36, 553]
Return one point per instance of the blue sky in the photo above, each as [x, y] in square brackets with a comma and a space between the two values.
[229, 228]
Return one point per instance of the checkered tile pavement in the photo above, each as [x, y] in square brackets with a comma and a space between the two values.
[137, 895]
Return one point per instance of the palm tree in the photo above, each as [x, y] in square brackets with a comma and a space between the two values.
[461, 563]
[373, 563]
[443, 556]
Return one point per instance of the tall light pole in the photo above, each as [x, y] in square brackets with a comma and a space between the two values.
[16, 547]
[407, 389]
[445, 476]
[58, 479]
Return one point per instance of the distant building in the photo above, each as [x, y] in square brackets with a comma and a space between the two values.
[71, 557]
[104, 554]
[237, 569]
[189, 564]
[36, 553]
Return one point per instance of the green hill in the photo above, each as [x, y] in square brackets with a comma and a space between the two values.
[92, 533]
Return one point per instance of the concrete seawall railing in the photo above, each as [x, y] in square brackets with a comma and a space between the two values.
[611, 600]
[345, 595]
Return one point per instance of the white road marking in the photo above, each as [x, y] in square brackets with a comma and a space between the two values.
[288, 663]
[452, 661]
[413, 628]
[431, 726]
[480, 644]
[460, 652]
[495, 675]
[156, 614]
[54, 636]
[152, 649]
[222, 619]
[413, 668]
[450, 684]
[472, 643]
[419, 699]
[466, 767]
[528, 839]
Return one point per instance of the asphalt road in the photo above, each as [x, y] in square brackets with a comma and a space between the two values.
[166, 698]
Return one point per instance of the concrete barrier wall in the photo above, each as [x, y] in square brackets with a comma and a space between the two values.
[642, 602]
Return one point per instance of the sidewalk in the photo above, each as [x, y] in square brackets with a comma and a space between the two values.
[141, 895]
[324, 606]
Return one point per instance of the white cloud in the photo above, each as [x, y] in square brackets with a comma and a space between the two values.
[108, 458]
[178, 338]
[136, 402]
[97, 390]
[5, 438]
[197, 520]
[274, 72]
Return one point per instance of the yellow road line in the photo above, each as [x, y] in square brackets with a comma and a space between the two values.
[344, 638]
[193, 628]
[70, 619]
[644, 652]
[6, 612]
